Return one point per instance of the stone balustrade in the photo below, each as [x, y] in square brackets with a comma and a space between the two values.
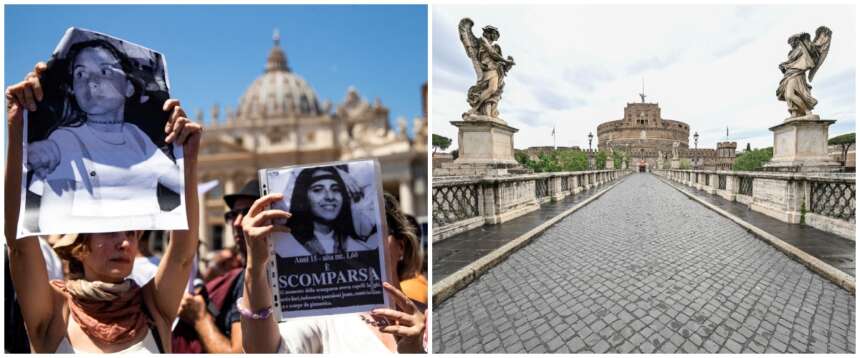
[465, 203]
[825, 201]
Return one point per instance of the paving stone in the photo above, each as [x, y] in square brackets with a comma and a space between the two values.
[646, 266]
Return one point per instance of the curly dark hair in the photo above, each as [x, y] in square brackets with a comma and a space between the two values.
[301, 223]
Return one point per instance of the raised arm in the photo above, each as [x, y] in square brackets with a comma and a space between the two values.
[172, 276]
[19, 98]
[492, 51]
[26, 264]
[259, 335]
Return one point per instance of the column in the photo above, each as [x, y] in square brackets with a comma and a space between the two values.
[227, 239]
[406, 202]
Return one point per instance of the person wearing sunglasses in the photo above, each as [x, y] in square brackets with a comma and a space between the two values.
[216, 322]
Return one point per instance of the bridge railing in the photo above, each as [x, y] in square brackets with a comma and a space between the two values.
[825, 201]
[461, 204]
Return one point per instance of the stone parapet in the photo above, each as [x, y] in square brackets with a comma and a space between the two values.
[462, 203]
[825, 201]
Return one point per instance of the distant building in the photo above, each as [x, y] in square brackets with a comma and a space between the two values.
[649, 139]
[439, 158]
[835, 153]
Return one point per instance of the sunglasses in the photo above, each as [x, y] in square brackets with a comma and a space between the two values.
[232, 214]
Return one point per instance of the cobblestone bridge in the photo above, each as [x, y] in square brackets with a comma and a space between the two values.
[646, 269]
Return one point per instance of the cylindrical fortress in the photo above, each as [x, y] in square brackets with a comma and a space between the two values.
[642, 130]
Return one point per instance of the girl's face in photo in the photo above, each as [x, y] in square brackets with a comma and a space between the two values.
[110, 256]
[326, 199]
[100, 85]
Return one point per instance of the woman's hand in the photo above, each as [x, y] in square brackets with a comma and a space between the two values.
[181, 130]
[258, 225]
[24, 95]
[192, 308]
[352, 188]
[407, 322]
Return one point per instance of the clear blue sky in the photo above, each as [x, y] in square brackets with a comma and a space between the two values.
[214, 52]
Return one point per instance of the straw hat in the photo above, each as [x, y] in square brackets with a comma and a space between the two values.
[65, 244]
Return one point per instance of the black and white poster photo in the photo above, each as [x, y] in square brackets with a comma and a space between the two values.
[95, 159]
[332, 259]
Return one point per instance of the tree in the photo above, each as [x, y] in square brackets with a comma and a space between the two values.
[685, 164]
[617, 158]
[547, 162]
[845, 142]
[752, 160]
[572, 160]
[600, 160]
[521, 157]
[748, 147]
[455, 153]
[440, 142]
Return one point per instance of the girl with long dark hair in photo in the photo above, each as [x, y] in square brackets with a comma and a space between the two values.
[94, 162]
[328, 217]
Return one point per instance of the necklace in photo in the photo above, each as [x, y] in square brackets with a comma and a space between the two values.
[113, 138]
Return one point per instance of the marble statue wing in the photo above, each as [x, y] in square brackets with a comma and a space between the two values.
[820, 47]
[470, 43]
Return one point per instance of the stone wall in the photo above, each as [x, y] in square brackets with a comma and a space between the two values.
[825, 201]
[462, 204]
[643, 127]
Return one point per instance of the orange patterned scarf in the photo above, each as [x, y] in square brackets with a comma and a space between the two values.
[108, 313]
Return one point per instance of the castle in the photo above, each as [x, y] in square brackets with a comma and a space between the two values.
[655, 142]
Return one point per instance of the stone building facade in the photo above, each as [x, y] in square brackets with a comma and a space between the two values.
[654, 142]
[280, 121]
[643, 133]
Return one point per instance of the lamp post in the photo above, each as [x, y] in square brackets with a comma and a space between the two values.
[590, 154]
[627, 156]
[696, 152]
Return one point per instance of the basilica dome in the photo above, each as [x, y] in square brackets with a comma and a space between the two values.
[278, 92]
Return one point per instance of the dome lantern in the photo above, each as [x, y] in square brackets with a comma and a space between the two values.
[277, 60]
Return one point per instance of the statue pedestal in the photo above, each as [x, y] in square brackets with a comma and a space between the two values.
[486, 148]
[800, 145]
[676, 163]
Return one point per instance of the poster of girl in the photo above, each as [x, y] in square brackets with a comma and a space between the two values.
[96, 158]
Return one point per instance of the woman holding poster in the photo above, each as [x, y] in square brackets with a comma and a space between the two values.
[349, 333]
[97, 309]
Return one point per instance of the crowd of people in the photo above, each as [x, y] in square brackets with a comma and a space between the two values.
[107, 293]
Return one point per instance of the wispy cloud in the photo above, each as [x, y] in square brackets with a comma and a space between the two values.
[587, 78]
[733, 46]
[653, 63]
[551, 99]
[445, 80]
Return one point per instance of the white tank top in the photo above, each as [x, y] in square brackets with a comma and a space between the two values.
[147, 345]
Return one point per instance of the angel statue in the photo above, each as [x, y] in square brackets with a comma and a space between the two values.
[490, 67]
[805, 56]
